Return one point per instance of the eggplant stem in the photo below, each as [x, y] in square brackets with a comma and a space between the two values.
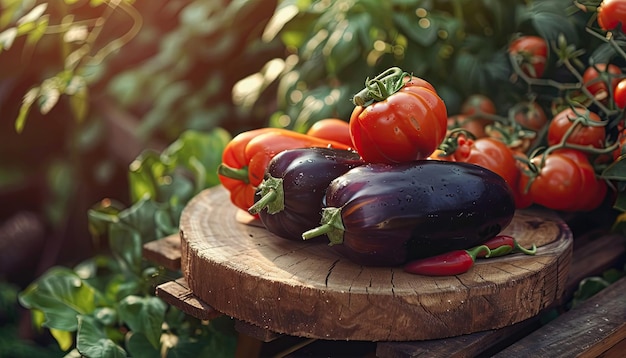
[262, 203]
[233, 173]
[317, 231]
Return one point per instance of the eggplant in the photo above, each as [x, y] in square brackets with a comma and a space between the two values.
[289, 199]
[386, 215]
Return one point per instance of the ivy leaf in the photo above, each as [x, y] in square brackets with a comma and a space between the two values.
[27, 102]
[61, 295]
[125, 243]
[144, 315]
[92, 341]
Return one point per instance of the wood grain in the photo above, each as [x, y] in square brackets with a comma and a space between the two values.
[305, 289]
[590, 330]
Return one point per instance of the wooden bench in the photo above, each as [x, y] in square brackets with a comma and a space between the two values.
[595, 328]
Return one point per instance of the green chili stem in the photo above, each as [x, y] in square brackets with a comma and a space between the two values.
[232, 173]
[519, 248]
[475, 251]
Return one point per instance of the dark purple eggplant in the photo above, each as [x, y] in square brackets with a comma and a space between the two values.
[289, 199]
[385, 215]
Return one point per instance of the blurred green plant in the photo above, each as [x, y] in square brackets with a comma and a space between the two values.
[105, 306]
[459, 46]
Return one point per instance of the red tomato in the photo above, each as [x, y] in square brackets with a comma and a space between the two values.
[476, 126]
[530, 53]
[611, 13]
[557, 184]
[619, 95]
[478, 103]
[333, 129]
[591, 187]
[597, 79]
[407, 125]
[582, 134]
[530, 115]
[488, 153]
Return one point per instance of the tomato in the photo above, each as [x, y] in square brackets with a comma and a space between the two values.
[597, 79]
[557, 184]
[611, 13]
[582, 134]
[531, 53]
[476, 126]
[619, 95]
[478, 103]
[488, 153]
[530, 115]
[470, 118]
[333, 129]
[591, 187]
[406, 124]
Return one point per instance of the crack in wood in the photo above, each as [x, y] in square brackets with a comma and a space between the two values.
[330, 270]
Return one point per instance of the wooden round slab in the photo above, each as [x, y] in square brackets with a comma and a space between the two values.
[306, 289]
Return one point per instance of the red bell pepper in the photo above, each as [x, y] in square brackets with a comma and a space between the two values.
[247, 155]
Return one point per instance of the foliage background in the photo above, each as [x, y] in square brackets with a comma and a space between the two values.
[131, 112]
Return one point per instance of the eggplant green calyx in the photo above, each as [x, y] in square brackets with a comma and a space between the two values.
[272, 196]
[232, 173]
[331, 226]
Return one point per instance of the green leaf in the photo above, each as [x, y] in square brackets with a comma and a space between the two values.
[199, 152]
[92, 341]
[7, 37]
[144, 315]
[61, 295]
[589, 287]
[144, 173]
[38, 31]
[27, 102]
[125, 243]
[140, 217]
[616, 170]
[423, 31]
[33, 15]
[65, 339]
[139, 347]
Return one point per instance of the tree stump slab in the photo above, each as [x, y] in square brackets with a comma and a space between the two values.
[306, 289]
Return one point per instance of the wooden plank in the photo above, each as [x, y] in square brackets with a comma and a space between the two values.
[255, 332]
[593, 257]
[588, 330]
[470, 345]
[178, 294]
[164, 252]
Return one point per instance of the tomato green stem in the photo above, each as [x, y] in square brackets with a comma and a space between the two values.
[233, 173]
[380, 87]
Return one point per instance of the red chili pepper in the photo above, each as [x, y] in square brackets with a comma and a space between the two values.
[247, 155]
[502, 245]
[447, 264]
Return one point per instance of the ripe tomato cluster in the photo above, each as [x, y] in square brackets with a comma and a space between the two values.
[567, 154]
